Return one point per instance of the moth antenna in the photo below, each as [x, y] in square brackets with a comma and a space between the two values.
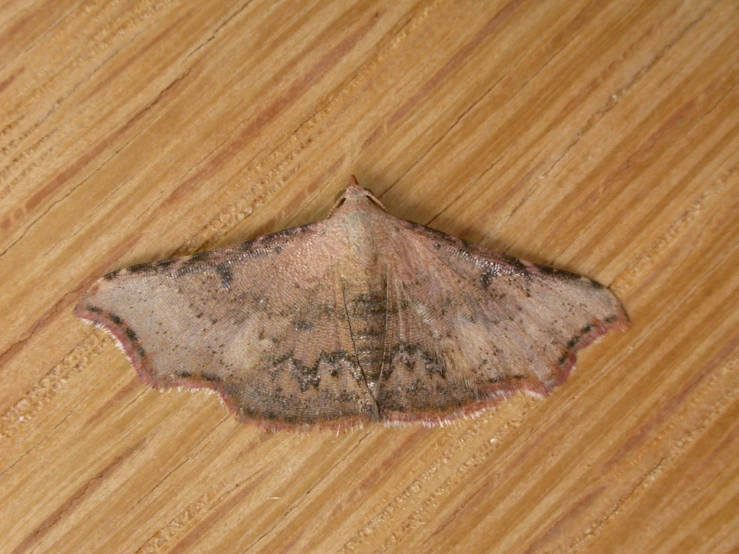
[355, 190]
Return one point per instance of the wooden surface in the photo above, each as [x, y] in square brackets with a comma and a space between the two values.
[600, 137]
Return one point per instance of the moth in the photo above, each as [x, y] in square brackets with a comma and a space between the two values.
[361, 317]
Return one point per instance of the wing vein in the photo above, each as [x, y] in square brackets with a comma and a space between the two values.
[354, 345]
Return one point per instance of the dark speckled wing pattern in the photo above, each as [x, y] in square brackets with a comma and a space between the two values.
[474, 326]
[264, 336]
[361, 317]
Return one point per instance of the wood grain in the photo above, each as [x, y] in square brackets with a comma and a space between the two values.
[600, 137]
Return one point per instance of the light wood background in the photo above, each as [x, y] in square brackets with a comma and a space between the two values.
[601, 137]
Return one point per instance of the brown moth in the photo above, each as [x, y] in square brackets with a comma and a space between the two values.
[362, 317]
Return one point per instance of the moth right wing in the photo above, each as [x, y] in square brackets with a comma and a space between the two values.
[470, 326]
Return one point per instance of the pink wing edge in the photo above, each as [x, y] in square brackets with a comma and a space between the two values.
[503, 391]
[126, 340]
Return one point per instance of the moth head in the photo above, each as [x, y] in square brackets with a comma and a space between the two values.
[355, 195]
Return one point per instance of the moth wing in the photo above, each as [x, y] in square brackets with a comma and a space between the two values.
[470, 326]
[256, 323]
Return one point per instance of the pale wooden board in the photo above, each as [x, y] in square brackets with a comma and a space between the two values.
[600, 137]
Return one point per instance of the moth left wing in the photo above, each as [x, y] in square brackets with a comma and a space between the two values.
[256, 323]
